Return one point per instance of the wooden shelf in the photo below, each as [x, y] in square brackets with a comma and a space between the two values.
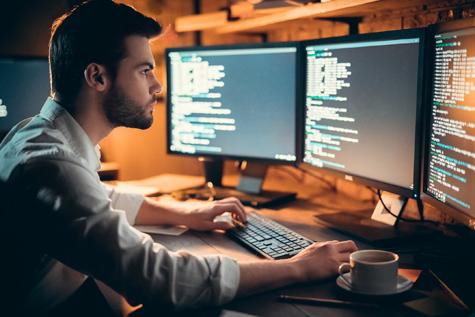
[212, 20]
[261, 19]
[325, 9]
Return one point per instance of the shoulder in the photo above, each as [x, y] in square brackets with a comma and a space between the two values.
[32, 141]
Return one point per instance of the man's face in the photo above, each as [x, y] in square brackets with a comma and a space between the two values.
[133, 94]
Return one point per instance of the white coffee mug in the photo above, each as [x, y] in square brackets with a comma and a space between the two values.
[371, 271]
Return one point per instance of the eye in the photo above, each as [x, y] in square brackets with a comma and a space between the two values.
[145, 71]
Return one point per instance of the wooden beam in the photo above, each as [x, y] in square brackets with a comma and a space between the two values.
[307, 11]
[198, 22]
[242, 9]
[205, 21]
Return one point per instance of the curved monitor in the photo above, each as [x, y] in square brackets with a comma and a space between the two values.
[233, 101]
[363, 103]
[24, 87]
[449, 164]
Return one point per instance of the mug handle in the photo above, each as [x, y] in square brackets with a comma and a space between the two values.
[342, 269]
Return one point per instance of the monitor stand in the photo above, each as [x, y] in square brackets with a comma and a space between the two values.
[360, 225]
[249, 189]
[213, 170]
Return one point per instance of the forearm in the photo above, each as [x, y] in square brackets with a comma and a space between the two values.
[153, 212]
[265, 275]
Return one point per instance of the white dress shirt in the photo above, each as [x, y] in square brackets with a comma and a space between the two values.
[97, 238]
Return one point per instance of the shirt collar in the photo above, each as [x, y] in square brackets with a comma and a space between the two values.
[75, 135]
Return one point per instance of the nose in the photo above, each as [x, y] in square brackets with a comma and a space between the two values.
[155, 87]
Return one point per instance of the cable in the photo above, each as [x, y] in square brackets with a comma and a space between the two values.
[400, 217]
[391, 213]
[374, 197]
[372, 189]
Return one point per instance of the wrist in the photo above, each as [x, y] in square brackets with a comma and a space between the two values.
[176, 215]
[293, 267]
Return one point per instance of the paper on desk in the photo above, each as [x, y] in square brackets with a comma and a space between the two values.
[136, 189]
[167, 230]
[167, 183]
[160, 184]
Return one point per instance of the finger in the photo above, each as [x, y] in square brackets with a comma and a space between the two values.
[228, 199]
[346, 246]
[221, 225]
[241, 209]
[240, 214]
[237, 211]
[322, 243]
[218, 209]
[343, 257]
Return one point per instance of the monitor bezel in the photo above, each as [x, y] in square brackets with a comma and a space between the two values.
[456, 213]
[389, 35]
[298, 102]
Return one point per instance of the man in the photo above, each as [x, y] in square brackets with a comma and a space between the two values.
[102, 77]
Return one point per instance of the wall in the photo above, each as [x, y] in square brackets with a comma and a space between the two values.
[25, 25]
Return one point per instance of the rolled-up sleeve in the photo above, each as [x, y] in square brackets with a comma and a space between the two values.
[86, 233]
[129, 202]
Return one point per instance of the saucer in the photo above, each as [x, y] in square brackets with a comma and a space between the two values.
[403, 284]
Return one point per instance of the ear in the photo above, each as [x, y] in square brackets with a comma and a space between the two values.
[96, 77]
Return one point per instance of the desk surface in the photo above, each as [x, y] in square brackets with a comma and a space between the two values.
[299, 216]
[266, 304]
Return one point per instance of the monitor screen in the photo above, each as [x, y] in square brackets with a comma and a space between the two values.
[233, 102]
[450, 149]
[24, 87]
[363, 98]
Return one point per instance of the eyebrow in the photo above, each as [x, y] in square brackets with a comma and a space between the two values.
[150, 65]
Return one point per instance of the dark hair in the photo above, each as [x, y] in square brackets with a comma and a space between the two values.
[92, 32]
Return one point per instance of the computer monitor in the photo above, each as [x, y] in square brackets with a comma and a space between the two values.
[449, 164]
[24, 87]
[363, 108]
[363, 111]
[234, 102]
[449, 152]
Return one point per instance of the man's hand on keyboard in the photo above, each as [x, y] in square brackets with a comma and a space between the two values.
[322, 259]
[202, 217]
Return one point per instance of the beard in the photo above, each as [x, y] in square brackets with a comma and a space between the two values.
[120, 110]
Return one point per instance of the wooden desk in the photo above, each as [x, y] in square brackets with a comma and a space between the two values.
[298, 216]
[266, 304]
